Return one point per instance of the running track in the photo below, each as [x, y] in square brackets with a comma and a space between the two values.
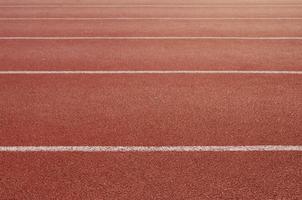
[151, 99]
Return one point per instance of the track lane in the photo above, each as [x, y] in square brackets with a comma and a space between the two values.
[160, 110]
[160, 27]
[152, 12]
[151, 54]
[155, 2]
[156, 175]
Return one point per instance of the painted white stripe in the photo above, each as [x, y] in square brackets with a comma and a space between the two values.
[148, 148]
[150, 6]
[148, 18]
[153, 72]
[147, 38]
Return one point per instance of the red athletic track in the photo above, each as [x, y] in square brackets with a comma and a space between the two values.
[143, 27]
[153, 110]
[290, 12]
[151, 54]
[153, 2]
[255, 176]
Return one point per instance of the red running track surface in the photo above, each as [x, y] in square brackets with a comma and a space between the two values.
[151, 175]
[152, 27]
[153, 2]
[151, 54]
[222, 12]
[151, 110]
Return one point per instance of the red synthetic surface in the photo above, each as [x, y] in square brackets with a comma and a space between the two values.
[151, 54]
[151, 109]
[184, 28]
[153, 12]
[233, 175]
[153, 2]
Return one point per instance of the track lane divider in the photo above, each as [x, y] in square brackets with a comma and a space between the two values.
[146, 38]
[29, 72]
[149, 148]
[145, 18]
[150, 6]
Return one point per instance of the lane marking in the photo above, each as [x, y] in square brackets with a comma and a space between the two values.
[148, 5]
[147, 38]
[152, 72]
[149, 18]
[258, 148]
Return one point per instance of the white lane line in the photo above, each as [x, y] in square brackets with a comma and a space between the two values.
[147, 18]
[148, 148]
[152, 72]
[146, 38]
[151, 6]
